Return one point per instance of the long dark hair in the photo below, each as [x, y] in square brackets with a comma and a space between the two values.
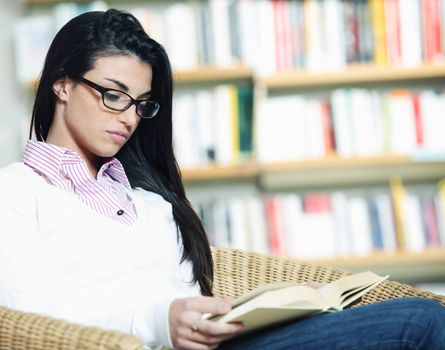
[147, 157]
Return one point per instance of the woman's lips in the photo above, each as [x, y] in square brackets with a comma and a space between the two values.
[117, 136]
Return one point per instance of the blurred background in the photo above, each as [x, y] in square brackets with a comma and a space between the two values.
[304, 128]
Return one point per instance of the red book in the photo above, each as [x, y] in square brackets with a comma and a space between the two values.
[328, 129]
[392, 22]
[279, 30]
[431, 27]
[418, 119]
[283, 35]
[275, 226]
[317, 203]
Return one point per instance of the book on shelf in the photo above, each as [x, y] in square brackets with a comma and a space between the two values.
[275, 303]
[182, 44]
[377, 11]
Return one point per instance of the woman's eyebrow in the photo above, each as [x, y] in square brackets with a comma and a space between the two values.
[118, 83]
[125, 87]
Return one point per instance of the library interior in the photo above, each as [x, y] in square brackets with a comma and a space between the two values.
[310, 129]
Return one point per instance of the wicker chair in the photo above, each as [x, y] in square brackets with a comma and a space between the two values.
[236, 272]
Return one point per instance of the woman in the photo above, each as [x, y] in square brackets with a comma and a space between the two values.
[96, 227]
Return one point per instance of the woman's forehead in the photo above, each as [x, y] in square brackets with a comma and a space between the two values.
[127, 69]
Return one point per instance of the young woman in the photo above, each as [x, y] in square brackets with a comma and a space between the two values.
[96, 227]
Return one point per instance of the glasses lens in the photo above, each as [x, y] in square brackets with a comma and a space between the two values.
[116, 100]
[147, 109]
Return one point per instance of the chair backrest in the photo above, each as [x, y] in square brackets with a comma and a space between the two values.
[237, 272]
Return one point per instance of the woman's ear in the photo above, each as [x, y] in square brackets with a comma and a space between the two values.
[61, 88]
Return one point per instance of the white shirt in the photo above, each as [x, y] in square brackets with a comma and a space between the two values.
[62, 259]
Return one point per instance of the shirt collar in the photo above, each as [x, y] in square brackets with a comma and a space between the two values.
[49, 159]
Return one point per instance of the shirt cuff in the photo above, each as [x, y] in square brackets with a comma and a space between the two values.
[150, 324]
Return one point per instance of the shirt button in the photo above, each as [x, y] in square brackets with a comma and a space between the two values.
[120, 212]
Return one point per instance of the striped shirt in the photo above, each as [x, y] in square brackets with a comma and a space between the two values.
[66, 170]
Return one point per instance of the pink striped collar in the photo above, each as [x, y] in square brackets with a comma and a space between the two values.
[49, 160]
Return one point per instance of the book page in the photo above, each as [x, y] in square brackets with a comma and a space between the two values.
[345, 290]
[290, 297]
[260, 290]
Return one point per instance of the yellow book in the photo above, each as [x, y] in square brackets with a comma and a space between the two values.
[276, 303]
[379, 31]
[398, 196]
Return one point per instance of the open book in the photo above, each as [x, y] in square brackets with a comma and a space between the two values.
[274, 303]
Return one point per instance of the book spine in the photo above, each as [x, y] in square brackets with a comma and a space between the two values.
[410, 33]
[431, 30]
[375, 222]
[379, 30]
[279, 35]
[352, 38]
[398, 197]
[276, 238]
[392, 24]
[418, 120]
[430, 223]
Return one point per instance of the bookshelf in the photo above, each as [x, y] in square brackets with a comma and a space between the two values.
[353, 74]
[213, 75]
[243, 171]
[355, 171]
[331, 170]
[401, 266]
[324, 172]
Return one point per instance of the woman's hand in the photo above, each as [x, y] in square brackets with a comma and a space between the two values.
[189, 331]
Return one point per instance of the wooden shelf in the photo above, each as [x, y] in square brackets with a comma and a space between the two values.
[199, 75]
[410, 267]
[247, 170]
[354, 74]
[303, 79]
[212, 74]
[326, 172]
[42, 2]
[336, 171]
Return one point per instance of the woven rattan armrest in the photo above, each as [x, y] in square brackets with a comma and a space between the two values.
[20, 330]
[237, 272]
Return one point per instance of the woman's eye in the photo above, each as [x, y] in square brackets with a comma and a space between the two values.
[113, 96]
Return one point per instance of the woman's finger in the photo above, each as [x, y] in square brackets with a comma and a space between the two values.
[209, 332]
[212, 305]
[215, 328]
[193, 345]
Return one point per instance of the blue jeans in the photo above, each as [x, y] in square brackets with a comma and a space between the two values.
[408, 323]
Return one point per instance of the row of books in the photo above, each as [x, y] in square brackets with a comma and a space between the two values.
[350, 122]
[269, 36]
[213, 125]
[281, 35]
[326, 225]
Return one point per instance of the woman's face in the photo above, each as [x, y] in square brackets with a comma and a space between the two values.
[82, 122]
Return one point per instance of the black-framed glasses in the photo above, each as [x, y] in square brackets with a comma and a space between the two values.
[120, 101]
